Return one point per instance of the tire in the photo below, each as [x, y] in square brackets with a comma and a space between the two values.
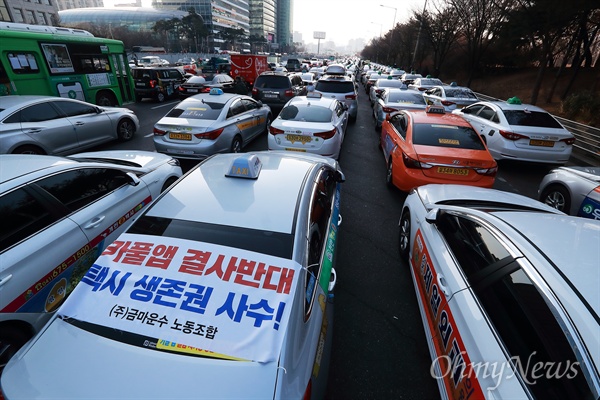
[404, 235]
[557, 196]
[125, 130]
[11, 340]
[268, 124]
[388, 175]
[168, 183]
[160, 97]
[106, 100]
[28, 149]
[236, 145]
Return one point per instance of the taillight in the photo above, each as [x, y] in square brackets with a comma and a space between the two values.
[205, 90]
[275, 131]
[511, 135]
[350, 97]
[487, 171]
[325, 135]
[254, 91]
[568, 141]
[597, 189]
[181, 89]
[308, 391]
[212, 135]
[388, 110]
[447, 103]
[412, 163]
[288, 93]
[152, 83]
[158, 132]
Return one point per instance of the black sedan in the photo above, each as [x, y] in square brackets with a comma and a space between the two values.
[198, 84]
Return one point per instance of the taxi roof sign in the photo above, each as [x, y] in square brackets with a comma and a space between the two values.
[247, 166]
[435, 109]
[216, 91]
[316, 95]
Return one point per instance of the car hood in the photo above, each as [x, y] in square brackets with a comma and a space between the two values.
[591, 173]
[66, 362]
[142, 159]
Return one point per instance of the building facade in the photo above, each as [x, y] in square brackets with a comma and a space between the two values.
[39, 12]
[284, 20]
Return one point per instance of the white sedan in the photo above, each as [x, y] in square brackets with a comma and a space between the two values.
[572, 190]
[211, 123]
[516, 131]
[215, 292]
[58, 214]
[508, 293]
[312, 124]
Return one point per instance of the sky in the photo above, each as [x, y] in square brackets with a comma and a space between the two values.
[343, 20]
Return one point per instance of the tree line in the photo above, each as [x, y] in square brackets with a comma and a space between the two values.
[476, 37]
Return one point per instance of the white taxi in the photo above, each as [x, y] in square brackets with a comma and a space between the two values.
[508, 293]
[312, 124]
[58, 214]
[215, 291]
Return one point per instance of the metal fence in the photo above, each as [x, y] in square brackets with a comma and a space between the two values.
[587, 138]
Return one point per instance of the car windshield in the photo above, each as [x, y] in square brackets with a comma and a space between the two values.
[306, 113]
[265, 242]
[531, 118]
[458, 137]
[197, 110]
[334, 87]
[406, 97]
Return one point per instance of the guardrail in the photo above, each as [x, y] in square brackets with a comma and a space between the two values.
[587, 138]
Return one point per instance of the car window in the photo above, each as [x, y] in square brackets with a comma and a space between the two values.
[175, 74]
[250, 104]
[273, 82]
[460, 93]
[531, 118]
[334, 87]
[486, 113]
[22, 215]
[35, 113]
[398, 121]
[339, 108]
[473, 110]
[405, 97]
[72, 109]
[79, 188]
[197, 110]
[451, 136]
[306, 113]
[236, 109]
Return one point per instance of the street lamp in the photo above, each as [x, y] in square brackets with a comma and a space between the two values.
[412, 65]
[394, 24]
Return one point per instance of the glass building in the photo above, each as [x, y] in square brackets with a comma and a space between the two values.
[136, 19]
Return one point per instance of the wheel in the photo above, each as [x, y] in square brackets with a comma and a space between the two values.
[106, 100]
[160, 97]
[557, 196]
[125, 129]
[11, 340]
[404, 237]
[236, 144]
[388, 176]
[28, 149]
[168, 183]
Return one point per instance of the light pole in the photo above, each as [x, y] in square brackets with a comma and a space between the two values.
[394, 24]
[412, 65]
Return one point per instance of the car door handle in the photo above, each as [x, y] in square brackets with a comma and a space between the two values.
[79, 123]
[95, 222]
[35, 130]
[442, 284]
[5, 279]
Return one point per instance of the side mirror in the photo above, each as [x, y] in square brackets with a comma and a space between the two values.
[134, 179]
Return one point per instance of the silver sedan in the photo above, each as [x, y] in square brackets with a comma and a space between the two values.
[211, 123]
[573, 190]
[60, 126]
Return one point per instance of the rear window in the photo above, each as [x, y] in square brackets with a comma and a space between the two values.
[143, 73]
[272, 82]
[531, 118]
[390, 83]
[199, 110]
[406, 97]
[306, 113]
[334, 87]
[460, 93]
[452, 136]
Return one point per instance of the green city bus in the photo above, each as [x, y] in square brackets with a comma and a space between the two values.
[55, 61]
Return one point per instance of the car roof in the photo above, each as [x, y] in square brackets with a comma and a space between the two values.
[321, 101]
[503, 105]
[423, 117]
[16, 100]
[267, 203]
[16, 165]
[211, 98]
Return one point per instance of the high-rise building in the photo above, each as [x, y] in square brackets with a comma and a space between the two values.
[262, 20]
[71, 4]
[284, 20]
[40, 12]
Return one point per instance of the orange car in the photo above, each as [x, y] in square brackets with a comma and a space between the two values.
[433, 146]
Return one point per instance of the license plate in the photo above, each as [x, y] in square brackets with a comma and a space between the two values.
[543, 143]
[140, 84]
[270, 95]
[299, 138]
[453, 171]
[180, 136]
[193, 90]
